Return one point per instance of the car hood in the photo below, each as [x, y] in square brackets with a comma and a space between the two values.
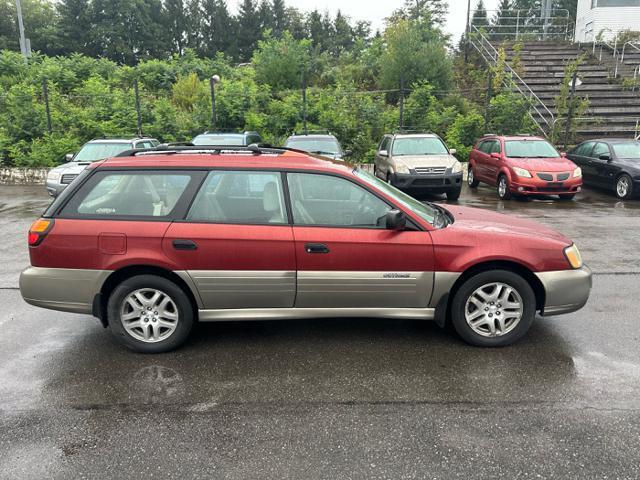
[480, 220]
[412, 161]
[71, 167]
[544, 164]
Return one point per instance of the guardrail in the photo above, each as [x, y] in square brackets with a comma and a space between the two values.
[488, 52]
[524, 23]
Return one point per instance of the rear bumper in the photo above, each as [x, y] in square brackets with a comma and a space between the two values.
[63, 289]
[565, 290]
[432, 183]
[535, 186]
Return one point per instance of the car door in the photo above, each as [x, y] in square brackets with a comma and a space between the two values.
[346, 258]
[482, 161]
[598, 166]
[236, 243]
[382, 160]
[581, 156]
[493, 164]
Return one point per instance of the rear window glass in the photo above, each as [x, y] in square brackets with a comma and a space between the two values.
[97, 151]
[221, 140]
[315, 145]
[124, 194]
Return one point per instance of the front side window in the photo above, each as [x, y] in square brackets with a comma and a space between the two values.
[419, 146]
[99, 150]
[495, 147]
[600, 149]
[530, 149]
[384, 145]
[584, 150]
[129, 194]
[244, 197]
[485, 147]
[333, 201]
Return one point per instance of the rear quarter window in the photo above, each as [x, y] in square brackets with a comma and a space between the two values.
[122, 194]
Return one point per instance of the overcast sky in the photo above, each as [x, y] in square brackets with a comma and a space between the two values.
[375, 11]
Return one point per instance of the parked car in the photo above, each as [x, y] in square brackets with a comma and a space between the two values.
[419, 163]
[61, 176]
[611, 163]
[523, 166]
[227, 139]
[323, 144]
[152, 243]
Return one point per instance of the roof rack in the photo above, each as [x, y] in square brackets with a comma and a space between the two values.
[490, 135]
[313, 132]
[120, 137]
[222, 132]
[412, 130]
[168, 149]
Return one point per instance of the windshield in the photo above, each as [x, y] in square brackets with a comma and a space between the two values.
[223, 140]
[429, 212]
[419, 146]
[315, 145]
[97, 151]
[530, 149]
[627, 150]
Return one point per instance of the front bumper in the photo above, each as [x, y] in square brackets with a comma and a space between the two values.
[55, 188]
[432, 183]
[64, 289]
[565, 290]
[536, 186]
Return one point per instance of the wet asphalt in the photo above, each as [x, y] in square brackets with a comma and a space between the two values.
[332, 398]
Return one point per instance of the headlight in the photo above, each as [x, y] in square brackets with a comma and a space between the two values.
[573, 256]
[53, 175]
[521, 172]
[577, 172]
[457, 167]
[401, 168]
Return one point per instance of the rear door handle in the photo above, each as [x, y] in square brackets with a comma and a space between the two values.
[185, 245]
[316, 248]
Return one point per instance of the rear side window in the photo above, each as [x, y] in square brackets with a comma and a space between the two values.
[245, 197]
[129, 194]
[485, 146]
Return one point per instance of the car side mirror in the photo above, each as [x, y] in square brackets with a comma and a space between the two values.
[453, 151]
[383, 153]
[605, 156]
[347, 153]
[396, 220]
[68, 157]
[496, 155]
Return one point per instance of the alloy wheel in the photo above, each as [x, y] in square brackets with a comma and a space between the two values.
[502, 187]
[470, 176]
[149, 315]
[622, 187]
[494, 309]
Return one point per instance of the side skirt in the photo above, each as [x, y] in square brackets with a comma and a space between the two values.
[304, 313]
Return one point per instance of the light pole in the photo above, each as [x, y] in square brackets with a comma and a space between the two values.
[23, 41]
[212, 82]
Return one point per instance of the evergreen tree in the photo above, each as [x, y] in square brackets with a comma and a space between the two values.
[175, 23]
[218, 28]
[265, 16]
[248, 29]
[315, 29]
[72, 31]
[193, 25]
[343, 33]
[479, 18]
[502, 25]
[278, 9]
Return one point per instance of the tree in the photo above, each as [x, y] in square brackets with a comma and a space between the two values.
[343, 33]
[218, 28]
[248, 29]
[479, 18]
[73, 18]
[40, 18]
[176, 25]
[279, 11]
[503, 21]
[279, 62]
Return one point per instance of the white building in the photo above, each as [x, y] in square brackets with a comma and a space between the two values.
[608, 17]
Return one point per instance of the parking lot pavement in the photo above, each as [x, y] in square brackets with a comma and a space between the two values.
[332, 398]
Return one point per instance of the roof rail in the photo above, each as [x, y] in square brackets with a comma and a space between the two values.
[412, 130]
[227, 132]
[167, 149]
[320, 131]
[120, 137]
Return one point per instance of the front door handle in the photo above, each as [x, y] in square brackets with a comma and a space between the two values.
[316, 248]
[185, 245]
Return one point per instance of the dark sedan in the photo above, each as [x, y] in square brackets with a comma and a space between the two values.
[610, 163]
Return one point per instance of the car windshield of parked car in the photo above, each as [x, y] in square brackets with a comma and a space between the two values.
[529, 149]
[418, 146]
[428, 212]
[97, 151]
[315, 145]
[627, 150]
[222, 140]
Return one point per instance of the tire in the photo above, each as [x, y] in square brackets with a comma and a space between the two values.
[388, 179]
[472, 181]
[503, 192]
[624, 187]
[453, 195]
[169, 320]
[519, 318]
[567, 196]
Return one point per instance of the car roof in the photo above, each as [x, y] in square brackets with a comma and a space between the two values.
[120, 140]
[196, 158]
[311, 135]
[512, 137]
[610, 140]
[415, 135]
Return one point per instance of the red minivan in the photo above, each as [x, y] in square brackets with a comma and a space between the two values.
[523, 166]
[154, 240]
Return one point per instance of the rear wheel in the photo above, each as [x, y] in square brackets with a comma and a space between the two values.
[567, 196]
[493, 308]
[471, 178]
[503, 188]
[624, 187]
[150, 314]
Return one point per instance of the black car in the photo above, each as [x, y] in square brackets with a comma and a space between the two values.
[611, 163]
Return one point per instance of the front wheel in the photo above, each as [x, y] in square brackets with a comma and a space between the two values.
[471, 178]
[150, 314]
[503, 188]
[624, 187]
[567, 196]
[454, 194]
[493, 308]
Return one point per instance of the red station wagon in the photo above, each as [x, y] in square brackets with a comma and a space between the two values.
[523, 165]
[152, 241]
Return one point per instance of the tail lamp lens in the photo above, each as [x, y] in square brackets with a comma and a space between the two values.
[39, 230]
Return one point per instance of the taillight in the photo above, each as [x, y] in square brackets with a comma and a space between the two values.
[39, 230]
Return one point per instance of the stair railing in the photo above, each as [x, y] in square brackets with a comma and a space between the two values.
[544, 118]
[632, 44]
